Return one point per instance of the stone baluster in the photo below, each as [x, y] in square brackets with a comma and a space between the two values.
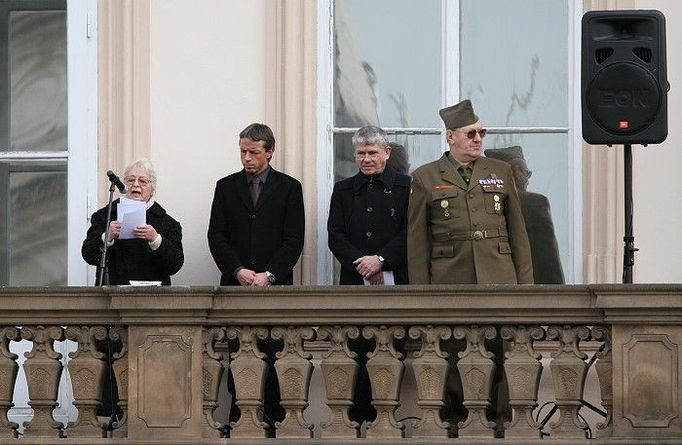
[87, 371]
[523, 370]
[430, 371]
[568, 373]
[43, 372]
[385, 371]
[212, 373]
[248, 370]
[294, 370]
[120, 368]
[8, 377]
[476, 368]
[604, 368]
[339, 371]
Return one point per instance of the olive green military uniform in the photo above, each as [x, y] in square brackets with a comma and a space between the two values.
[461, 233]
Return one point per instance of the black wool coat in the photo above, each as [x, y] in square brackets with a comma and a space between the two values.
[133, 259]
[368, 216]
[265, 237]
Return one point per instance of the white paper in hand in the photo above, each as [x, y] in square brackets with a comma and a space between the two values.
[131, 213]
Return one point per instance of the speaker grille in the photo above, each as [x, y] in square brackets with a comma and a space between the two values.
[601, 54]
[643, 53]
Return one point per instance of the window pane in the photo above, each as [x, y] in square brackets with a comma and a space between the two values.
[420, 149]
[546, 157]
[37, 217]
[387, 63]
[37, 70]
[514, 61]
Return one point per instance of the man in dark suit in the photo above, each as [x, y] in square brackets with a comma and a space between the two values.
[255, 235]
[257, 223]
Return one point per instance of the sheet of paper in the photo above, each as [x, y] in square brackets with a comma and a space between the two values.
[389, 279]
[131, 213]
[144, 283]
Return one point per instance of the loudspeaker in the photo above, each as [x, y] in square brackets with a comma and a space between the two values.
[624, 83]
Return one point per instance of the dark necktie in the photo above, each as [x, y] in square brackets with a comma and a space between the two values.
[465, 172]
[255, 189]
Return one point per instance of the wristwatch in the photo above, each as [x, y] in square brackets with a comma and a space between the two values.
[381, 259]
[271, 277]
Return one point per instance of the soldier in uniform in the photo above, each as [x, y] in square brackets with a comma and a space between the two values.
[465, 223]
[465, 226]
[537, 213]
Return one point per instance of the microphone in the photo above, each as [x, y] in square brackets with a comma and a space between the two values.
[116, 181]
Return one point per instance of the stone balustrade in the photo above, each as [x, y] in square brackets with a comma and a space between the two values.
[446, 364]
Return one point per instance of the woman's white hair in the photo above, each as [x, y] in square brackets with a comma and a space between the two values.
[147, 165]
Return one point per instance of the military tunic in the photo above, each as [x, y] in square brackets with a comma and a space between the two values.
[466, 233]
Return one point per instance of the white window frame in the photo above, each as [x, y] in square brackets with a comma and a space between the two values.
[82, 131]
[450, 44]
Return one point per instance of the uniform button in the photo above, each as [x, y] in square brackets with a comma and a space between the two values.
[471, 195]
[369, 209]
[473, 210]
[253, 216]
[450, 235]
[369, 234]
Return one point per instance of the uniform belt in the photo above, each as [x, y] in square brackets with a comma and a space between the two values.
[476, 235]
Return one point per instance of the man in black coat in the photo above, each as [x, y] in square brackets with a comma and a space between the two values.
[257, 223]
[155, 253]
[255, 235]
[367, 223]
[367, 229]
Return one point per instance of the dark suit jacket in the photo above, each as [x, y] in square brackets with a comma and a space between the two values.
[370, 218]
[133, 259]
[268, 237]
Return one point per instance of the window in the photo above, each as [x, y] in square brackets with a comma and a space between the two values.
[39, 201]
[395, 63]
[33, 143]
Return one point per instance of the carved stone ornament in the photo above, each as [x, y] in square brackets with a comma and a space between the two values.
[568, 374]
[119, 334]
[385, 371]
[43, 372]
[604, 368]
[87, 371]
[248, 370]
[212, 372]
[430, 371]
[8, 377]
[339, 372]
[476, 368]
[523, 370]
[294, 370]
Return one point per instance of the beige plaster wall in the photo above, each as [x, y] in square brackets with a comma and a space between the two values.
[656, 173]
[207, 65]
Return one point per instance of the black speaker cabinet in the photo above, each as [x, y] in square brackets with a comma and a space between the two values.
[624, 82]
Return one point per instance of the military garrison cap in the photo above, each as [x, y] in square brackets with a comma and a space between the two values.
[506, 154]
[459, 115]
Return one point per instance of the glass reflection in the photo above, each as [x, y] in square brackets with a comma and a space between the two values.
[514, 61]
[37, 228]
[37, 70]
[544, 197]
[387, 62]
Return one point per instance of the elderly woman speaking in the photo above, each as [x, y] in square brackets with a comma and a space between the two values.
[154, 252]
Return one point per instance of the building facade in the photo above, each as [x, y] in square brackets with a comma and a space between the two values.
[93, 85]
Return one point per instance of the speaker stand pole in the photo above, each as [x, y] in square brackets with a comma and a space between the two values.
[629, 240]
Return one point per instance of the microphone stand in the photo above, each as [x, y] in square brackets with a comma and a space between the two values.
[103, 268]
